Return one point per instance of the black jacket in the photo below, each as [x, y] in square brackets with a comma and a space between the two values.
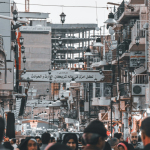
[147, 147]
[7, 145]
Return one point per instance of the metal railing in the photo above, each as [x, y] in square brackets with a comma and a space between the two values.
[140, 79]
[127, 9]
[138, 30]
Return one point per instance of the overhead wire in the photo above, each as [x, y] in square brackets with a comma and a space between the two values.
[45, 5]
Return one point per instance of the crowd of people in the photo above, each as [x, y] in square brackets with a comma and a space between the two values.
[93, 138]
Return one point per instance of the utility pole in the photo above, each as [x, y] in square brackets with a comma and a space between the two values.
[17, 67]
[27, 4]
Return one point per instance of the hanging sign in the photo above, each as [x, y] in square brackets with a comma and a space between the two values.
[63, 76]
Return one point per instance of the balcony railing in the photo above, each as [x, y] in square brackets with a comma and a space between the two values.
[124, 8]
[138, 30]
[140, 79]
[123, 47]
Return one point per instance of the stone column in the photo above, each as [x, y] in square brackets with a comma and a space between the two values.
[117, 112]
[125, 120]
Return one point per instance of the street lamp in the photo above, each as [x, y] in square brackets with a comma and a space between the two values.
[60, 41]
[68, 90]
[21, 40]
[15, 15]
[120, 51]
[24, 59]
[49, 71]
[98, 42]
[81, 62]
[47, 90]
[22, 49]
[76, 71]
[58, 100]
[50, 104]
[137, 41]
[62, 17]
[24, 70]
[73, 81]
[88, 52]
[111, 20]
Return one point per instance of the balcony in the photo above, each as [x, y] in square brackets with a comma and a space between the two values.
[140, 79]
[123, 49]
[137, 1]
[138, 31]
[126, 12]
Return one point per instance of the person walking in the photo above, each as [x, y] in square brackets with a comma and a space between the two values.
[145, 133]
[134, 140]
[45, 140]
[7, 144]
[70, 139]
[119, 136]
[113, 143]
[2, 127]
[94, 136]
[13, 143]
[29, 143]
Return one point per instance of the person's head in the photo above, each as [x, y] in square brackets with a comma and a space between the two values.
[45, 138]
[2, 127]
[29, 143]
[17, 142]
[134, 138]
[6, 139]
[113, 142]
[53, 140]
[145, 131]
[95, 134]
[107, 146]
[70, 140]
[59, 146]
[123, 146]
[119, 136]
[39, 141]
[13, 141]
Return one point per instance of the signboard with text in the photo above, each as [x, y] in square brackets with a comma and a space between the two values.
[63, 76]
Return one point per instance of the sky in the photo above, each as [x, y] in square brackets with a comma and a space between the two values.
[73, 14]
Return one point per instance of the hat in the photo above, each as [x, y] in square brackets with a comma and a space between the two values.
[97, 127]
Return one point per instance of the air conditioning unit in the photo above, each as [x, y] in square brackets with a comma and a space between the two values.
[138, 89]
[21, 89]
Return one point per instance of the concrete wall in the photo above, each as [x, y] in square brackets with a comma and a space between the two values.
[38, 56]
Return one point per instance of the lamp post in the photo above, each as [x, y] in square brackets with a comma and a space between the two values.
[137, 41]
[62, 17]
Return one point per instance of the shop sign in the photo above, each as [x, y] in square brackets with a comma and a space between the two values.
[33, 124]
[63, 76]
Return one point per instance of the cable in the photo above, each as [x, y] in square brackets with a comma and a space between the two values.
[59, 5]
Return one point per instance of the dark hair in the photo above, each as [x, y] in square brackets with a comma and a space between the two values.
[45, 138]
[37, 137]
[107, 146]
[91, 138]
[96, 127]
[145, 126]
[69, 136]
[2, 127]
[52, 138]
[118, 135]
[126, 144]
[14, 140]
[59, 146]
[113, 141]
